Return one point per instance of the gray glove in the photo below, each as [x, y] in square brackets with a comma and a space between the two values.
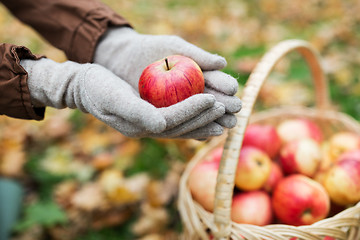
[126, 53]
[94, 89]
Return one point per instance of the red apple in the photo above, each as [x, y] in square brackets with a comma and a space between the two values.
[350, 154]
[341, 142]
[264, 137]
[202, 183]
[326, 159]
[342, 181]
[171, 80]
[252, 207]
[301, 156]
[253, 169]
[275, 176]
[320, 176]
[299, 200]
[215, 154]
[292, 129]
[328, 238]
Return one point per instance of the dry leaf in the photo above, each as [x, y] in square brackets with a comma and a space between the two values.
[63, 193]
[111, 217]
[130, 190]
[57, 126]
[152, 220]
[110, 179]
[89, 198]
[57, 161]
[160, 193]
[120, 190]
[12, 163]
[102, 160]
[276, 92]
[92, 140]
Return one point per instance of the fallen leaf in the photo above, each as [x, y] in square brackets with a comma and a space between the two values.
[89, 198]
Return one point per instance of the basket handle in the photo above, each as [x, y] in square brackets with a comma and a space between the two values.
[229, 160]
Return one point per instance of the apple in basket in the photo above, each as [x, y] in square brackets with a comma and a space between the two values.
[253, 168]
[301, 156]
[300, 200]
[342, 181]
[352, 154]
[253, 207]
[341, 142]
[276, 174]
[202, 179]
[171, 80]
[292, 129]
[263, 136]
[215, 155]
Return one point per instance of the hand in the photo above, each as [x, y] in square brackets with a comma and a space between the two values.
[94, 89]
[126, 53]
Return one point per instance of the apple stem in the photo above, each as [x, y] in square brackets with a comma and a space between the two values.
[167, 64]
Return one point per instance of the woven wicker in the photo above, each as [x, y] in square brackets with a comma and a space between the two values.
[199, 222]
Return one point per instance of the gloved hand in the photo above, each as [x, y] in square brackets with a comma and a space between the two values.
[96, 90]
[126, 53]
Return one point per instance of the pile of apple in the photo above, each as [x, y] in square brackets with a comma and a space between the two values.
[287, 173]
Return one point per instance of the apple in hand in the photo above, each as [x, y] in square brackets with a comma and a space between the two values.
[341, 142]
[171, 80]
[253, 207]
[301, 156]
[263, 136]
[202, 183]
[342, 181]
[275, 176]
[297, 128]
[253, 169]
[299, 200]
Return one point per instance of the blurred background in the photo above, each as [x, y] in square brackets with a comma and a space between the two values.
[83, 180]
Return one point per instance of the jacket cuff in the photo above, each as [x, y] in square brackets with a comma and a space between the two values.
[14, 92]
[90, 30]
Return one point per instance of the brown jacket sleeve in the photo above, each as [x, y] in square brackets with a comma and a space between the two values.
[14, 92]
[73, 26]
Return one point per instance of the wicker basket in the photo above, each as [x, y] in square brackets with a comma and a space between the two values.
[199, 222]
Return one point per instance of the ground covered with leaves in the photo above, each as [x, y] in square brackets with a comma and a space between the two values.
[83, 180]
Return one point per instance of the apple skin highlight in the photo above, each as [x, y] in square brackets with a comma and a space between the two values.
[164, 84]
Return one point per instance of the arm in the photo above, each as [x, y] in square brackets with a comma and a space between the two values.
[72, 26]
[76, 29]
